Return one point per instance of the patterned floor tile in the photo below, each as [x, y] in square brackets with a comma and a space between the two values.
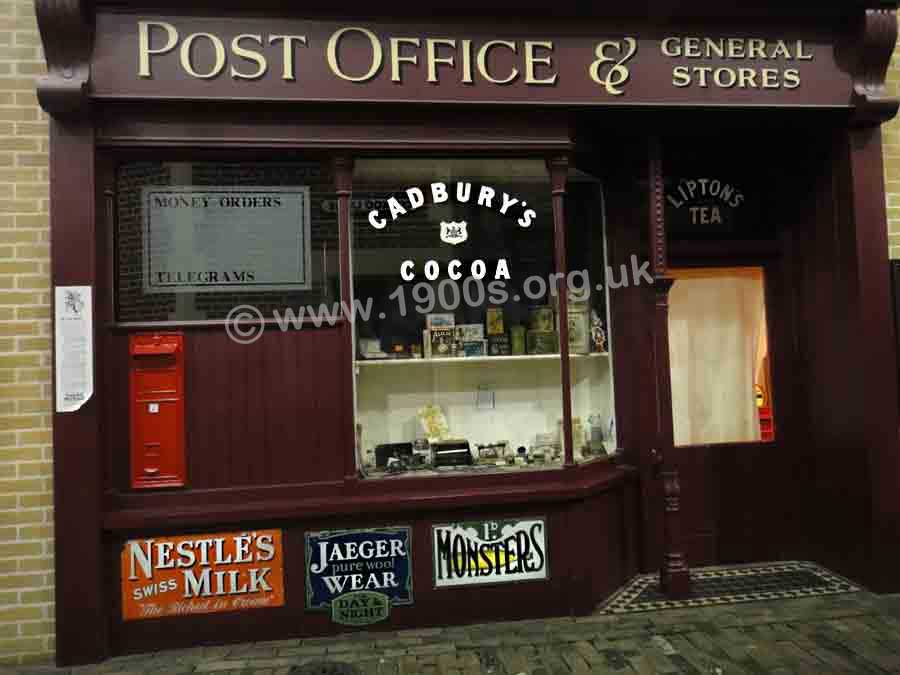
[729, 585]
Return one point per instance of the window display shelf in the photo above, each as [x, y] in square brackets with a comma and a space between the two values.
[475, 359]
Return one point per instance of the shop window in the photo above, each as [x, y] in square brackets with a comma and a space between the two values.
[593, 415]
[718, 343]
[458, 357]
[194, 240]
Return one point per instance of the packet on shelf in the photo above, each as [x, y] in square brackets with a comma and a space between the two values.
[434, 423]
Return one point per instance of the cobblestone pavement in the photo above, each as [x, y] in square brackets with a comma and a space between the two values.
[851, 633]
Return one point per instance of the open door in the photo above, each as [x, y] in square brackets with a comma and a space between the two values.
[722, 394]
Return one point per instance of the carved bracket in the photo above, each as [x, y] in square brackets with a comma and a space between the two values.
[67, 34]
[876, 45]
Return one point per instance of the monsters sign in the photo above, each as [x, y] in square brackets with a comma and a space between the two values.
[490, 552]
[359, 574]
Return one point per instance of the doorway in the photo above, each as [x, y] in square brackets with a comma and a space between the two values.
[723, 400]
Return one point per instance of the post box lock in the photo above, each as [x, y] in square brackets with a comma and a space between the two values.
[156, 386]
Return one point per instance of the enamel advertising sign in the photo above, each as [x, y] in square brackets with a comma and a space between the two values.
[358, 575]
[201, 574]
[490, 552]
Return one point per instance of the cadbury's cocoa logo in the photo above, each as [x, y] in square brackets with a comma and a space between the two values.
[453, 232]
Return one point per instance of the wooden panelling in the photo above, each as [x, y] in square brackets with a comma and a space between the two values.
[266, 413]
[583, 569]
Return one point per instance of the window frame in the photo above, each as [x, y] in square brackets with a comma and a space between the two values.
[558, 162]
[558, 168]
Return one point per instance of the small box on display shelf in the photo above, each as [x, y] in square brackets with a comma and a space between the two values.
[370, 348]
[541, 318]
[498, 345]
[542, 342]
[495, 321]
[469, 332]
[546, 448]
[517, 340]
[579, 328]
[421, 454]
[474, 348]
[493, 453]
[439, 320]
[387, 451]
[443, 342]
[452, 452]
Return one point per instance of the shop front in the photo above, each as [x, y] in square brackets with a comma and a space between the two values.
[435, 318]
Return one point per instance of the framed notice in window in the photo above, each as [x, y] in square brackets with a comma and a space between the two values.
[206, 239]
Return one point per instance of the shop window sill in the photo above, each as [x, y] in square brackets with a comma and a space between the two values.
[302, 502]
[461, 360]
[481, 469]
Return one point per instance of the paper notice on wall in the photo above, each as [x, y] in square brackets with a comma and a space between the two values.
[74, 347]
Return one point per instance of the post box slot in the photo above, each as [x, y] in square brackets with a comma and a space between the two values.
[153, 349]
[145, 361]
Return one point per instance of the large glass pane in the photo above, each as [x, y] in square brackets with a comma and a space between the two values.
[593, 412]
[196, 239]
[718, 345]
[457, 347]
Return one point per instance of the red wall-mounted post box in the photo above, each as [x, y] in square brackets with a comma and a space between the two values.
[156, 374]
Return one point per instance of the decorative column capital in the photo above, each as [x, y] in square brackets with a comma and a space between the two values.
[558, 167]
[342, 165]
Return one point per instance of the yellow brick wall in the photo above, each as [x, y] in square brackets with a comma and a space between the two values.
[892, 161]
[26, 513]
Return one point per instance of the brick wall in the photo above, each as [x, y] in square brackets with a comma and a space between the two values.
[26, 514]
[892, 161]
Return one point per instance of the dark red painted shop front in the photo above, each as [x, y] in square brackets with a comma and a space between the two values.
[415, 320]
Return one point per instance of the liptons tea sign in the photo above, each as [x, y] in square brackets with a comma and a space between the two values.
[294, 59]
[201, 573]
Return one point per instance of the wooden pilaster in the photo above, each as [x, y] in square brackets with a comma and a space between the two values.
[559, 170]
[342, 167]
[674, 572]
